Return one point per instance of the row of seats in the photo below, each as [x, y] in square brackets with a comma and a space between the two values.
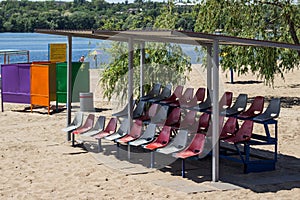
[198, 102]
[165, 116]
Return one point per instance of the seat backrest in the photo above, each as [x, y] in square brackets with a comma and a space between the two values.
[197, 143]
[203, 122]
[89, 122]
[164, 135]
[100, 123]
[138, 111]
[226, 100]
[229, 128]
[273, 108]
[156, 89]
[78, 119]
[200, 94]
[178, 91]
[161, 115]
[149, 132]
[136, 129]
[257, 105]
[112, 125]
[187, 95]
[174, 117]
[240, 102]
[244, 133]
[180, 139]
[189, 119]
[166, 92]
[152, 110]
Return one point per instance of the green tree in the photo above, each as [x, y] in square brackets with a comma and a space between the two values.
[266, 20]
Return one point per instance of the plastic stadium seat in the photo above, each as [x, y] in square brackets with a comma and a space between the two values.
[88, 125]
[135, 132]
[243, 134]
[122, 130]
[162, 139]
[152, 93]
[189, 120]
[147, 137]
[99, 126]
[254, 110]
[186, 97]
[165, 93]
[271, 112]
[176, 144]
[198, 98]
[109, 129]
[76, 123]
[238, 106]
[194, 148]
[229, 129]
[176, 94]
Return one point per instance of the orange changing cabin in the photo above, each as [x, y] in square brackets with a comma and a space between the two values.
[43, 84]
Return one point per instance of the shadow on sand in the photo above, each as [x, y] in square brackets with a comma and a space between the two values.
[285, 177]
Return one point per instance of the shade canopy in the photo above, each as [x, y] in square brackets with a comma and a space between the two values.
[172, 36]
[211, 41]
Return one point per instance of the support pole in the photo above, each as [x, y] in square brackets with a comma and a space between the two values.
[130, 85]
[142, 65]
[215, 113]
[209, 68]
[69, 86]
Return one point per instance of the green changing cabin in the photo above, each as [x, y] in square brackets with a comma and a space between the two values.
[80, 80]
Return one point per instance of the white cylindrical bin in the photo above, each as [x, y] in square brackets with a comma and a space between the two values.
[86, 102]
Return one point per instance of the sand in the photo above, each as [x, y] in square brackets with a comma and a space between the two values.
[38, 163]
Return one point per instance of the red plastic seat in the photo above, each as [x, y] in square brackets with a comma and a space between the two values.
[229, 129]
[89, 122]
[174, 118]
[203, 123]
[225, 101]
[255, 109]
[243, 134]
[189, 120]
[135, 132]
[149, 113]
[176, 94]
[198, 97]
[109, 129]
[186, 97]
[195, 148]
[162, 139]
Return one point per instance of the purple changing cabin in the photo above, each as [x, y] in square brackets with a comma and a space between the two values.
[15, 83]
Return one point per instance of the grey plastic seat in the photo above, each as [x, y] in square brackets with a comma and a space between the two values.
[161, 115]
[238, 106]
[122, 131]
[124, 111]
[165, 93]
[76, 123]
[152, 93]
[203, 105]
[271, 112]
[99, 126]
[146, 137]
[177, 144]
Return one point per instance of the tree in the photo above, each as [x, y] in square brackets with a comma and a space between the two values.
[267, 20]
[165, 63]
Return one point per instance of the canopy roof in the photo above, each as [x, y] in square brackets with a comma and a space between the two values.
[180, 37]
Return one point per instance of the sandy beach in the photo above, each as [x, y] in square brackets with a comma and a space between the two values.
[38, 163]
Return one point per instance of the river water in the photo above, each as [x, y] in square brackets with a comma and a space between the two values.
[38, 43]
